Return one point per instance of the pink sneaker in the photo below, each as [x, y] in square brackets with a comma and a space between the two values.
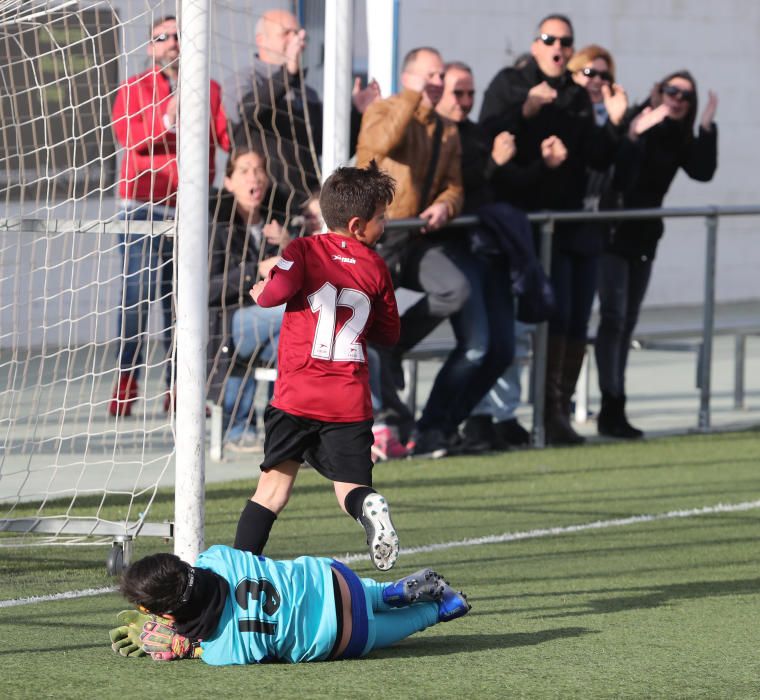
[386, 445]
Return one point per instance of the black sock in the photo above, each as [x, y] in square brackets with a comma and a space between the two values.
[254, 527]
[355, 499]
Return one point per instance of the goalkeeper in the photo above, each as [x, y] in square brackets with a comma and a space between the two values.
[234, 607]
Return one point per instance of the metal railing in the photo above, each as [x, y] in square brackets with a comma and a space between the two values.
[547, 220]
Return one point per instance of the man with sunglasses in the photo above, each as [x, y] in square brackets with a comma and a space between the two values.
[557, 140]
[145, 124]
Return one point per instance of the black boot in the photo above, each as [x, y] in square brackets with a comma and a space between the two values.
[612, 421]
[478, 434]
[509, 433]
[558, 430]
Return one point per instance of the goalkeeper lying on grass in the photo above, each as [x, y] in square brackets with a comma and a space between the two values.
[234, 607]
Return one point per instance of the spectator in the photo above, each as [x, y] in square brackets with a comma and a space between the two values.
[421, 151]
[280, 115]
[244, 246]
[145, 124]
[236, 608]
[484, 326]
[660, 140]
[557, 140]
[339, 294]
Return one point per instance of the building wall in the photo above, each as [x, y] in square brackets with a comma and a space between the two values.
[717, 42]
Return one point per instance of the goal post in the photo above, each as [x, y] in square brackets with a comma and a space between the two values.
[70, 471]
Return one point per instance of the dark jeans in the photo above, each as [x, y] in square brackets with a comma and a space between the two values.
[622, 285]
[485, 333]
[143, 256]
[574, 279]
[427, 267]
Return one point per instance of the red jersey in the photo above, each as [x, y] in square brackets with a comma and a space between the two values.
[339, 295]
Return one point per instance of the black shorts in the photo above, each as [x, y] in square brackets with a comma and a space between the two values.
[338, 451]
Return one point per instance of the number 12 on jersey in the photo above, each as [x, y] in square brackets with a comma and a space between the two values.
[340, 347]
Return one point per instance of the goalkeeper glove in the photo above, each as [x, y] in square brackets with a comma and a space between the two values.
[161, 641]
[125, 639]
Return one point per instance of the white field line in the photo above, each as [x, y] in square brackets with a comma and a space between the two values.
[470, 542]
[568, 529]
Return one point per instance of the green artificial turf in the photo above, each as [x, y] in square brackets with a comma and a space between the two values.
[661, 609]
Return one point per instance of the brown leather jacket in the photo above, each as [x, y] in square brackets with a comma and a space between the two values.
[398, 133]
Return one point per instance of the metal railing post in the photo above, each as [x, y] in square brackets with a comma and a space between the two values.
[708, 323]
[541, 344]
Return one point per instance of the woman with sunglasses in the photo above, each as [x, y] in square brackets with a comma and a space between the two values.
[660, 140]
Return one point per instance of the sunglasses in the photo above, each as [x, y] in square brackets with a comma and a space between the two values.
[160, 38]
[463, 93]
[678, 94]
[594, 73]
[564, 41]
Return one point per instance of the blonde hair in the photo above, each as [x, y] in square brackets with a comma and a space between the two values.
[591, 53]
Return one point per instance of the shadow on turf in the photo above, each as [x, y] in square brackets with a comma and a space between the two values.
[443, 645]
[656, 596]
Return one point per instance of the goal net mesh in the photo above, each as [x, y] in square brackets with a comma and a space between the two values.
[70, 470]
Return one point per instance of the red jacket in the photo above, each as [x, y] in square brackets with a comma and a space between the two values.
[149, 166]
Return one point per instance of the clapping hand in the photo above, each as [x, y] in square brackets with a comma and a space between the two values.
[276, 234]
[615, 102]
[364, 97]
[646, 119]
[503, 149]
[708, 114]
[538, 96]
[553, 151]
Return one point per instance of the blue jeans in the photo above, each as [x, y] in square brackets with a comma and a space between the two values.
[143, 255]
[503, 398]
[255, 330]
[484, 331]
[622, 285]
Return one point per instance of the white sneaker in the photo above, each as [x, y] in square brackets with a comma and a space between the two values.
[381, 535]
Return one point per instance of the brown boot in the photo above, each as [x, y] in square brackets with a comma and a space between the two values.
[556, 414]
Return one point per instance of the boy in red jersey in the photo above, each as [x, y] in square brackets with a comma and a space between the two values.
[339, 295]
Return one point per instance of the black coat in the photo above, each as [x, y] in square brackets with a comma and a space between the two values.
[526, 182]
[233, 269]
[281, 116]
[645, 171]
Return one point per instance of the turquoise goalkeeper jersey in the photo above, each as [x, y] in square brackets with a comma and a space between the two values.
[276, 610]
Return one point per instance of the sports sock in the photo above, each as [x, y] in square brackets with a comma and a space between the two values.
[254, 527]
[392, 626]
[355, 499]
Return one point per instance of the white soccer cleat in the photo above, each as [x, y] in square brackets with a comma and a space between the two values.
[382, 539]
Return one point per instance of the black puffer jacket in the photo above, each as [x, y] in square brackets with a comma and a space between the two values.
[645, 171]
[234, 256]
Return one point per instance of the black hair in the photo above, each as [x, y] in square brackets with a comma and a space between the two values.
[351, 192]
[236, 152]
[691, 115]
[159, 582]
[161, 20]
[557, 16]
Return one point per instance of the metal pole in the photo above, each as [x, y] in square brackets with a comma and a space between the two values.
[191, 246]
[336, 128]
[541, 344]
[708, 323]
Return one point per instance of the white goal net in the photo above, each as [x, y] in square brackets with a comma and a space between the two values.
[86, 362]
